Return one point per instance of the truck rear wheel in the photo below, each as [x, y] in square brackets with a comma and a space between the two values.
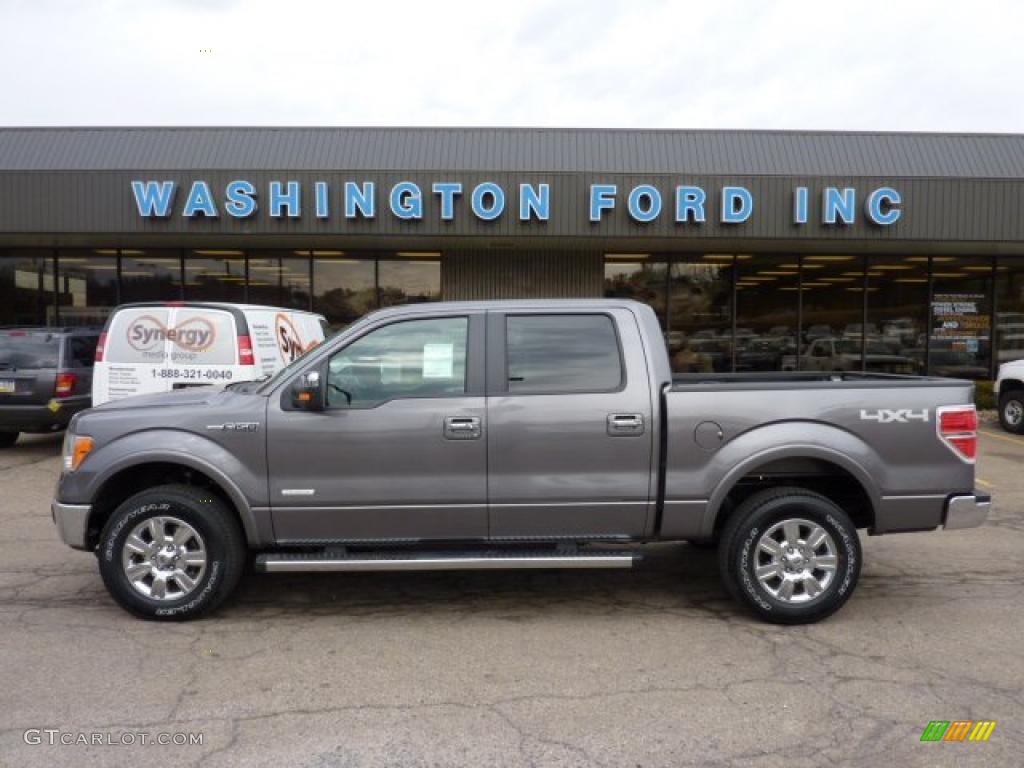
[1011, 411]
[790, 555]
[171, 553]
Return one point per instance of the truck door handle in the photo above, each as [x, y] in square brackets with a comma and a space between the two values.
[462, 427]
[624, 424]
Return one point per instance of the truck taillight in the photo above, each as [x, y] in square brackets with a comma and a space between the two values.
[958, 428]
[100, 346]
[65, 384]
[245, 356]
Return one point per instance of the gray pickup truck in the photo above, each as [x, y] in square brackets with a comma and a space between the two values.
[532, 434]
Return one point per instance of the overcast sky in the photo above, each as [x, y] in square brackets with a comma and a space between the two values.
[897, 65]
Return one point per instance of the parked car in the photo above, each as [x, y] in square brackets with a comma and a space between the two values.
[1009, 390]
[844, 354]
[161, 346]
[531, 434]
[45, 377]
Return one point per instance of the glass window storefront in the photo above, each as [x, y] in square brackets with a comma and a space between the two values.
[948, 315]
[86, 286]
[699, 333]
[150, 275]
[344, 289]
[897, 313]
[1009, 294]
[26, 288]
[767, 316]
[212, 275]
[279, 279]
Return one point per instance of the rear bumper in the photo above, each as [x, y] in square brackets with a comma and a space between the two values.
[966, 511]
[72, 522]
[39, 418]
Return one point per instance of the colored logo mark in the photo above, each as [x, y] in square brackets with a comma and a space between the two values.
[958, 730]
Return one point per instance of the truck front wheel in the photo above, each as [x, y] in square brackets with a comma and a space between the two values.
[790, 555]
[171, 553]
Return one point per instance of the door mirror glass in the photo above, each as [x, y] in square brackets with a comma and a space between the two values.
[307, 394]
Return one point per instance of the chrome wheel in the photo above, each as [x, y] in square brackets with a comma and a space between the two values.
[164, 558]
[795, 561]
[1013, 412]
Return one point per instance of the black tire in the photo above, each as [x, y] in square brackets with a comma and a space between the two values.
[7, 439]
[739, 554]
[221, 535]
[1011, 411]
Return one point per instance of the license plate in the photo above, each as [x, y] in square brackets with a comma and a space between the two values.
[6, 386]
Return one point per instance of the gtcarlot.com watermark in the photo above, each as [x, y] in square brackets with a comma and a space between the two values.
[56, 737]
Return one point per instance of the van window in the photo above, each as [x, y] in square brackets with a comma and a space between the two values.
[562, 353]
[198, 336]
[135, 336]
[204, 337]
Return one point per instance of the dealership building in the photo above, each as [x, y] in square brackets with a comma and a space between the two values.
[758, 250]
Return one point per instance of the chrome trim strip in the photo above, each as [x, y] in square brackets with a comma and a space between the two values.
[927, 496]
[276, 564]
[280, 508]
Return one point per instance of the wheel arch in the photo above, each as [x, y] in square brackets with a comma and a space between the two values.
[815, 467]
[142, 472]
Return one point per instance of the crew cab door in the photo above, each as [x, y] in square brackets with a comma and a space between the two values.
[570, 429]
[400, 450]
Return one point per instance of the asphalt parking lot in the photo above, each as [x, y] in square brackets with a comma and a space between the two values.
[651, 667]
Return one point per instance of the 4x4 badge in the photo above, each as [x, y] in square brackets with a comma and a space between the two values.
[901, 416]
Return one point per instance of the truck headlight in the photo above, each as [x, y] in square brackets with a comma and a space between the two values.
[76, 448]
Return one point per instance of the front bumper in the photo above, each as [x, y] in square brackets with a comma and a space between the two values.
[966, 511]
[72, 522]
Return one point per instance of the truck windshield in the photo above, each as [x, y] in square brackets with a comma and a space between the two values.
[28, 351]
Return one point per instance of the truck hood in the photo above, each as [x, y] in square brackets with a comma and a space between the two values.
[191, 396]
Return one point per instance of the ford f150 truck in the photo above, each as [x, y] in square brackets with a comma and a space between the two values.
[531, 434]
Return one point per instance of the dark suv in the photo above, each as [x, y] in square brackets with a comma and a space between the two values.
[45, 378]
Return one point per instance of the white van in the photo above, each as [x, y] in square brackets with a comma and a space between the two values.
[155, 347]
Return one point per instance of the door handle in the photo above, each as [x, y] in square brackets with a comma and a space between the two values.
[625, 424]
[462, 427]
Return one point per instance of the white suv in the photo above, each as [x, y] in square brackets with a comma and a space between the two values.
[1010, 391]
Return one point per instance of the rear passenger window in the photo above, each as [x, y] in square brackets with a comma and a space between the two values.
[562, 353]
[82, 351]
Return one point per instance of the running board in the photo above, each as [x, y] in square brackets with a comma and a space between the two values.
[440, 561]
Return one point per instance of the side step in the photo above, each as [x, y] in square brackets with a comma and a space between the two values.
[442, 561]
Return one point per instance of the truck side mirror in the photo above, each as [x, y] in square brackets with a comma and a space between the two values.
[307, 392]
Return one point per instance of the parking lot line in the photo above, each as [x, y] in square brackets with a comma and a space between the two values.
[1000, 436]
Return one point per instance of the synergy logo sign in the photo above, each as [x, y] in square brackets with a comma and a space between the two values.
[192, 335]
[289, 341]
[686, 204]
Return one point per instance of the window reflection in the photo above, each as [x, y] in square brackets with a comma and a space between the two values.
[700, 313]
[86, 286]
[214, 275]
[26, 288]
[766, 313]
[279, 279]
[344, 289]
[409, 281]
[897, 304]
[832, 288]
[1010, 309]
[640, 277]
[150, 275]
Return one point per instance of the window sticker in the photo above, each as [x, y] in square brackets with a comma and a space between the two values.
[438, 361]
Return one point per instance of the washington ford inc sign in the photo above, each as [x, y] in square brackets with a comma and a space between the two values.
[489, 201]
